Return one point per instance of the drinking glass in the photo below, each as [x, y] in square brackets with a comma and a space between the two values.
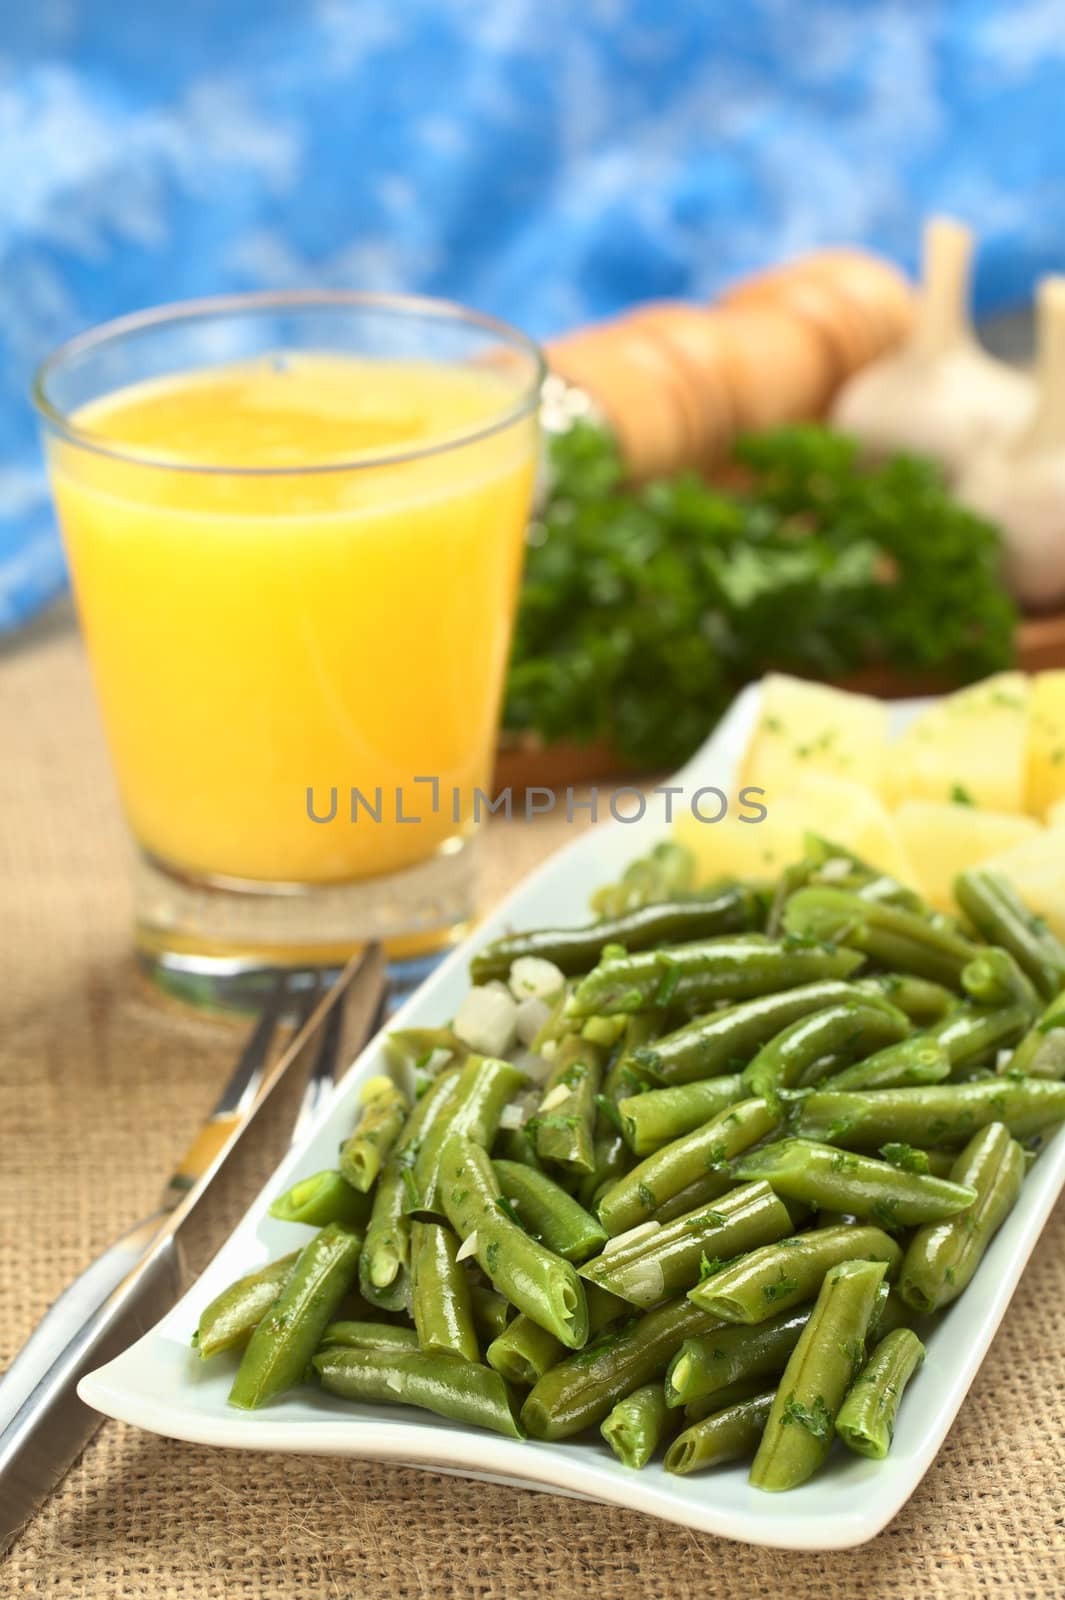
[294, 525]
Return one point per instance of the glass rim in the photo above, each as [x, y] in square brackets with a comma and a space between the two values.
[427, 307]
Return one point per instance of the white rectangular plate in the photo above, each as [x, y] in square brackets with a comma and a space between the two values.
[159, 1384]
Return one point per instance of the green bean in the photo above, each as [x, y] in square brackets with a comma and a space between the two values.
[638, 1425]
[781, 1276]
[728, 1435]
[922, 1000]
[603, 1031]
[491, 1312]
[579, 1391]
[730, 1355]
[659, 1116]
[879, 888]
[876, 884]
[895, 938]
[650, 1267]
[698, 1156]
[565, 1121]
[891, 1312]
[840, 1180]
[443, 1312]
[699, 975]
[866, 1420]
[1041, 1053]
[994, 906]
[484, 1087]
[831, 1037]
[385, 1109]
[918, 1059]
[994, 978]
[820, 1370]
[933, 1114]
[278, 1352]
[549, 1213]
[721, 1399]
[726, 1040]
[533, 1278]
[524, 1351]
[972, 1036]
[557, 1026]
[666, 871]
[370, 1336]
[231, 1318]
[415, 1047]
[577, 950]
[326, 1197]
[611, 1160]
[793, 877]
[941, 1259]
[382, 1265]
[462, 1391]
[517, 1145]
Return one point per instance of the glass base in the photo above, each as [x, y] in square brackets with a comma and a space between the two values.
[217, 942]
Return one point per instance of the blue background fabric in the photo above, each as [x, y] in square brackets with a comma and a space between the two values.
[544, 160]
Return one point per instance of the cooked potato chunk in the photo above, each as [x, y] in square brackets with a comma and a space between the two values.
[1046, 743]
[843, 812]
[1036, 868]
[808, 728]
[941, 840]
[970, 747]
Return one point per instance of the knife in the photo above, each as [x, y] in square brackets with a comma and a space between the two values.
[127, 1290]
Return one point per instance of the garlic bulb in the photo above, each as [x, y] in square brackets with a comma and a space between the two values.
[940, 394]
[1020, 483]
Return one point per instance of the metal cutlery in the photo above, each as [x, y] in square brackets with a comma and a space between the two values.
[43, 1424]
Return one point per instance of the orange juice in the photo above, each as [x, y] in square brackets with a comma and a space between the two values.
[258, 634]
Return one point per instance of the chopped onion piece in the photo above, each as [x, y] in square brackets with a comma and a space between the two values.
[533, 978]
[533, 1065]
[555, 1097]
[642, 1230]
[512, 1116]
[467, 1248]
[645, 1280]
[487, 1021]
[533, 1013]
[836, 867]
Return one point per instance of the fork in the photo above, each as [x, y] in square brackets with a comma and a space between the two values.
[43, 1424]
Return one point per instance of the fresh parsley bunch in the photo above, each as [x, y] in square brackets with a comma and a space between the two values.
[644, 611]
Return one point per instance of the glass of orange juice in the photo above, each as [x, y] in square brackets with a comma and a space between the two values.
[295, 524]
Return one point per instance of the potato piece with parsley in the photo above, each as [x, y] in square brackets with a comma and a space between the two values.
[844, 812]
[1046, 743]
[809, 728]
[942, 839]
[970, 747]
[1036, 868]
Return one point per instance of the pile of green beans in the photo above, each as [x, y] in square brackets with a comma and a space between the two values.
[772, 1131]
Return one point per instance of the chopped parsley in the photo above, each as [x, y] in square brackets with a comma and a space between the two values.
[816, 1419]
[905, 1157]
[771, 1292]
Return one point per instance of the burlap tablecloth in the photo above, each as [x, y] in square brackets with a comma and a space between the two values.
[100, 1091]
